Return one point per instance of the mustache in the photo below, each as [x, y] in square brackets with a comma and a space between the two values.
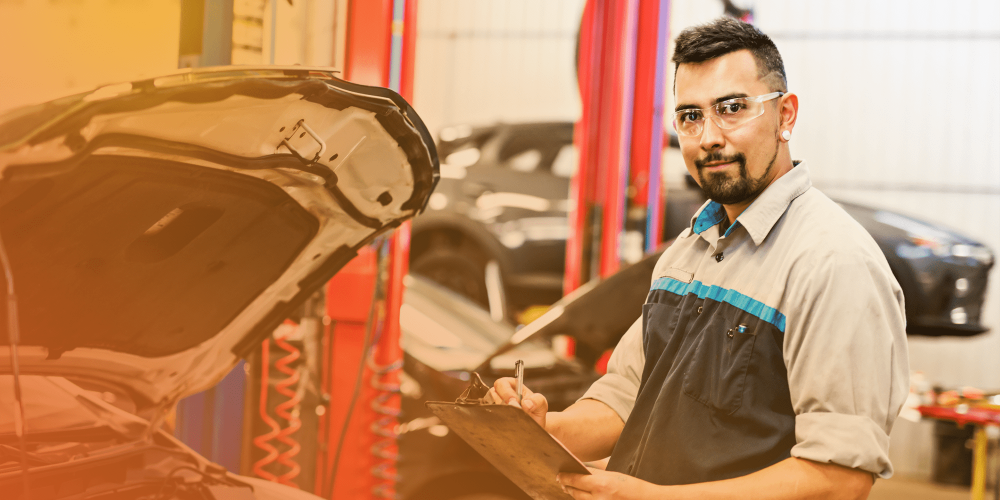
[717, 157]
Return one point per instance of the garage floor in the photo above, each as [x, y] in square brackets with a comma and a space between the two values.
[904, 488]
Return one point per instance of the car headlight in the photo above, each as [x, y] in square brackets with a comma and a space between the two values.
[981, 254]
[918, 247]
[926, 240]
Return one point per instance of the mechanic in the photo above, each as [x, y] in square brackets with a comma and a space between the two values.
[770, 360]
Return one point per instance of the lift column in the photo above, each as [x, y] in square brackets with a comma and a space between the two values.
[621, 62]
[379, 51]
[603, 138]
[645, 193]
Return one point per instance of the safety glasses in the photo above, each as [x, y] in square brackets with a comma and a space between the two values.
[727, 114]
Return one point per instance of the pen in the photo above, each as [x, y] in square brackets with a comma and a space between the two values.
[519, 373]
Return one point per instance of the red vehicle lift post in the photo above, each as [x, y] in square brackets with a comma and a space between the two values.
[379, 51]
[621, 63]
[647, 118]
[620, 134]
[603, 137]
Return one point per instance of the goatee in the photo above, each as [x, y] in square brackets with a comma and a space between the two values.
[723, 188]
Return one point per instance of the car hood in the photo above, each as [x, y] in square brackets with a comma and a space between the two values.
[597, 314]
[158, 230]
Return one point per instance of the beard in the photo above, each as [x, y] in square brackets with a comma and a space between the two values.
[722, 188]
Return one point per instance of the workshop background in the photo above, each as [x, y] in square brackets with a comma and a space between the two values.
[887, 90]
[898, 99]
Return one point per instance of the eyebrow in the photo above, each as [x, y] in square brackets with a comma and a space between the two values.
[682, 107]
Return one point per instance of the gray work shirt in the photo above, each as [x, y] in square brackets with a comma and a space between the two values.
[796, 263]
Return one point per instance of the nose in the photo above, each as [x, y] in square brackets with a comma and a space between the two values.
[711, 136]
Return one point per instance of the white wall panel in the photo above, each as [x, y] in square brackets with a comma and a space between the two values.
[51, 49]
[483, 61]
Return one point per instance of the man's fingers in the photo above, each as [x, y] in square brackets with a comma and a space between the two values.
[578, 494]
[535, 404]
[574, 484]
[506, 388]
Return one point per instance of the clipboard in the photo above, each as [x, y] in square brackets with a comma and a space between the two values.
[510, 440]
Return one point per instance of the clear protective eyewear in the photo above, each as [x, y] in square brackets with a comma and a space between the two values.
[727, 114]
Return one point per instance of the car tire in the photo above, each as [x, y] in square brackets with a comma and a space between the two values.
[460, 268]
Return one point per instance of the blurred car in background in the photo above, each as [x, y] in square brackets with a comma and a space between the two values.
[501, 205]
[446, 337]
[497, 224]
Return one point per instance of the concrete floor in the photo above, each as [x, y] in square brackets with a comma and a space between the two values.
[904, 488]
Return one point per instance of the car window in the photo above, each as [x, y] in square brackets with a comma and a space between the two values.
[525, 161]
[463, 157]
[455, 139]
[534, 148]
[566, 161]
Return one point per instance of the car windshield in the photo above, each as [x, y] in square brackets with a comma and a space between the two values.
[530, 149]
[55, 404]
[62, 421]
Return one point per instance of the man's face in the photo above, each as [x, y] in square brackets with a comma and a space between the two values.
[732, 166]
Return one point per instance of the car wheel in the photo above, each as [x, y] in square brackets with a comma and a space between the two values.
[461, 269]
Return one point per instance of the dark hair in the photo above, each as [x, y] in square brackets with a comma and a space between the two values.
[724, 35]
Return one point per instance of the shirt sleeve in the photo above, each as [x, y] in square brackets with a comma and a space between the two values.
[846, 355]
[619, 387]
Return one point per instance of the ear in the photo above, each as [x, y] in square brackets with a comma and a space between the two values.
[788, 111]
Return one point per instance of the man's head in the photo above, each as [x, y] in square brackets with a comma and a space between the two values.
[716, 62]
[724, 36]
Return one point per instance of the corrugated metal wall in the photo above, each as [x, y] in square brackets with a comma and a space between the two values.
[482, 61]
[897, 110]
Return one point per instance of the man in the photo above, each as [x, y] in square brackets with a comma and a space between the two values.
[770, 360]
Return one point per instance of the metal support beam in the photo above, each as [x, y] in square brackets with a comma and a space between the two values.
[206, 37]
[645, 187]
[603, 137]
[620, 67]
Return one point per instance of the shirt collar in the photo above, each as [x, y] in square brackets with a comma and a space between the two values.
[764, 212]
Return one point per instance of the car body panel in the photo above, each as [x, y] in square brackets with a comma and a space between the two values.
[454, 338]
[514, 182]
[158, 230]
[82, 446]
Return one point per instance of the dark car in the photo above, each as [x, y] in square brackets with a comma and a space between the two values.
[497, 228]
[446, 337]
[503, 199]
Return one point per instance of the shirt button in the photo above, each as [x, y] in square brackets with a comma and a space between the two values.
[730, 333]
[700, 309]
[719, 257]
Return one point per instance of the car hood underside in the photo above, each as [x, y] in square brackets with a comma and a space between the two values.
[156, 235]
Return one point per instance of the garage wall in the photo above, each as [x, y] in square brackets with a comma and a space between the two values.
[482, 61]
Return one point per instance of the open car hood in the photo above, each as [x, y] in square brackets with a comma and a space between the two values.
[597, 314]
[159, 230]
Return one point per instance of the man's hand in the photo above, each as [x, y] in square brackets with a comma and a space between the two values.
[535, 405]
[603, 485]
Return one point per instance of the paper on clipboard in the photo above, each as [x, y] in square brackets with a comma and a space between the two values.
[512, 442]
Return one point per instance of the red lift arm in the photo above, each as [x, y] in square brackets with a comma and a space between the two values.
[621, 61]
[379, 51]
[620, 134]
[647, 118]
